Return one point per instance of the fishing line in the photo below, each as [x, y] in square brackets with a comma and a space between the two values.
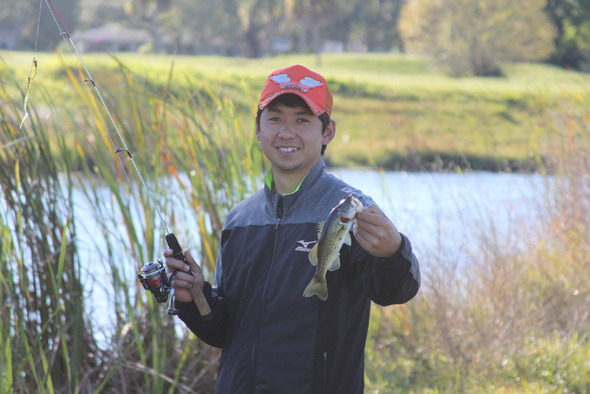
[63, 32]
[38, 24]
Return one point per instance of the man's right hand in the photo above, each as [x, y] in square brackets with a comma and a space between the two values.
[182, 281]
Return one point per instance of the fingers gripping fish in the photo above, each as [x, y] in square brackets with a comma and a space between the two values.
[332, 234]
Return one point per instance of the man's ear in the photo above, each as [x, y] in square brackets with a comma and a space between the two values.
[329, 133]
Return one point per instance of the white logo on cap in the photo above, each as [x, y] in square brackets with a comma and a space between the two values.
[309, 81]
[281, 78]
[303, 85]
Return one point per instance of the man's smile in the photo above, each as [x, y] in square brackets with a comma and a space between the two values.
[287, 149]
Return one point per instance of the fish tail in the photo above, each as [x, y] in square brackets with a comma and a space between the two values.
[318, 286]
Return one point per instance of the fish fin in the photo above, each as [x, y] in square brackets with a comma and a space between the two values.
[335, 264]
[347, 239]
[313, 255]
[321, 228]
[318, 286]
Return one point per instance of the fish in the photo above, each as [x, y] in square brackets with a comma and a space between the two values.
[332, 234]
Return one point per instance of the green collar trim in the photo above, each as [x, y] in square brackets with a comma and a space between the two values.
[270, 183]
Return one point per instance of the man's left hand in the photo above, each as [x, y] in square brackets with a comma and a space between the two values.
[376, 233]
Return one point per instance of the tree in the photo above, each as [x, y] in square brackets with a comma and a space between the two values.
[571, 19]
[203, 26]
[476, 36]
[95, 13]
[310, 18]
[32, 21]
[339, 27]
[259, 24]
[379, 21]
[147, 14]
[226, 27]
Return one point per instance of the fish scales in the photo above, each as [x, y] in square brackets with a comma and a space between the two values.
[332, 234]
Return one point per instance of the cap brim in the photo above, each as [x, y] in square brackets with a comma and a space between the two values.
[315, 108]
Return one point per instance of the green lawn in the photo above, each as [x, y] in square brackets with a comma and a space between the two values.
[391, 110]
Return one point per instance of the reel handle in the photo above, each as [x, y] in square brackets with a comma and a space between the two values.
[196, 292]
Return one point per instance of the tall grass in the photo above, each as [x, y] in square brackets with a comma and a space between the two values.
[46, 341]
[196, 158]
[196, 155]
[518, 318]
[192, 149]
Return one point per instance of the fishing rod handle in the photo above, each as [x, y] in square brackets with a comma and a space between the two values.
[196, 291]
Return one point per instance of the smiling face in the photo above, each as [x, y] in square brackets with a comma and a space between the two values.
[291, 138]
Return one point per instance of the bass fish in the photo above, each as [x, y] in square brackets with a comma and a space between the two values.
[332, 234]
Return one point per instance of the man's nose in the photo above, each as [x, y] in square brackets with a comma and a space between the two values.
[286, 130]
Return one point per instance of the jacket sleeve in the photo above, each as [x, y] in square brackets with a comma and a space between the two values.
[211, 330]
[393, 280]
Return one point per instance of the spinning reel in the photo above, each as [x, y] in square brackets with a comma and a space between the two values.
[153, 278]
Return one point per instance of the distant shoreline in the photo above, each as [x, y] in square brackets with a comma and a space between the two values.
[445, 162]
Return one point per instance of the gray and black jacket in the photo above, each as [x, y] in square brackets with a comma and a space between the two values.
[274, 339]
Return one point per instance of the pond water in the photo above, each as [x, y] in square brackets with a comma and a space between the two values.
[453, 212]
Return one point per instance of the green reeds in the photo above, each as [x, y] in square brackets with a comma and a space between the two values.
[47, 345]
[190, 147]
[197, 157]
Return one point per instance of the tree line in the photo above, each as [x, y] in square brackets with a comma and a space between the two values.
[466, 36]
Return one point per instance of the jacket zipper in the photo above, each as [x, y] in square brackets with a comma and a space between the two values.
[279, 218]
[325, 373]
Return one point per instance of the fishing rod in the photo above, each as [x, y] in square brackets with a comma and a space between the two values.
[152, 275]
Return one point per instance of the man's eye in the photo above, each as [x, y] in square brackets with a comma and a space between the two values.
[303, 120]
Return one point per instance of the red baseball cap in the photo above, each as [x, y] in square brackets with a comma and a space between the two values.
[303, 82]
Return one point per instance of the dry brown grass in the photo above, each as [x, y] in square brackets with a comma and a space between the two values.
[517, 319]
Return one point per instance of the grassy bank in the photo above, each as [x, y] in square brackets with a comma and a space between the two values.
[517, 321]
[392, 111]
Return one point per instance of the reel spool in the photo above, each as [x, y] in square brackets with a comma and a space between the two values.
[153, 278]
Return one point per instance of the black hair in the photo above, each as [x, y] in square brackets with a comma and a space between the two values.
[293, 100]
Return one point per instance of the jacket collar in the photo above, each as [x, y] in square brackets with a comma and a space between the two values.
[308, 179]
[290, 199]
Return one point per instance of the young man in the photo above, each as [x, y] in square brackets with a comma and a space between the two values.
[274, 339]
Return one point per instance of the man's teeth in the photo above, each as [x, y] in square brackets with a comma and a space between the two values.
[289, 149]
